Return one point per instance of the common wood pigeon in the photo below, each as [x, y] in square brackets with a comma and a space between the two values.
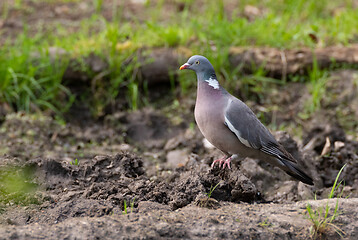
[231, 126]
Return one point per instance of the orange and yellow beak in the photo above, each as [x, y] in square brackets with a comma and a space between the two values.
[184, 66]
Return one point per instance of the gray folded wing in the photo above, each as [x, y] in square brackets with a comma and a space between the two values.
[251, 132]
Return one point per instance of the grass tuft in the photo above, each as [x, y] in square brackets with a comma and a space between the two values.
[125, 207]
[317, 86]
[212, 190]
[75, 162]
[322, 218]
[31, 80]
[265, 223]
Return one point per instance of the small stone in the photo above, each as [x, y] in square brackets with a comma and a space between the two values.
[338, 145]
[177, 157]
[327, 147]
[304, 191]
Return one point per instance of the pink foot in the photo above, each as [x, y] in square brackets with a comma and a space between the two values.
[222, 161]
[227, 162]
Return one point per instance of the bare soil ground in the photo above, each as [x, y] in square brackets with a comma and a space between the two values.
[146, 174]
[159, 168]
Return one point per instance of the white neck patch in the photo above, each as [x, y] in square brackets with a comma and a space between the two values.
[213, 82]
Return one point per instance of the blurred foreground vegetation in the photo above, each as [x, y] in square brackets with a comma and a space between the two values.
[17, 186]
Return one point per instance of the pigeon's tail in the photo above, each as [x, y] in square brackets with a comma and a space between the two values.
[296, 172]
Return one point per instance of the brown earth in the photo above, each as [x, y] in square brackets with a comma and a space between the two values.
[158, 166]
[230, 221]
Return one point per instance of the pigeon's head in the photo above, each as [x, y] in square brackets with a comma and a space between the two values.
[199, 64]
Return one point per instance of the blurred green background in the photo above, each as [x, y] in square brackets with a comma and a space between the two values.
[40, 39]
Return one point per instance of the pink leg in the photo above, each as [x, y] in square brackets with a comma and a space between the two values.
[227, 162]
[222, 161]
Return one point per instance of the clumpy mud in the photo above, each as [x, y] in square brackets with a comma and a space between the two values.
[147, 175]
[102, 185]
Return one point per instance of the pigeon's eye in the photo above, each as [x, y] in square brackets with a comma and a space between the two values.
[197, 62]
